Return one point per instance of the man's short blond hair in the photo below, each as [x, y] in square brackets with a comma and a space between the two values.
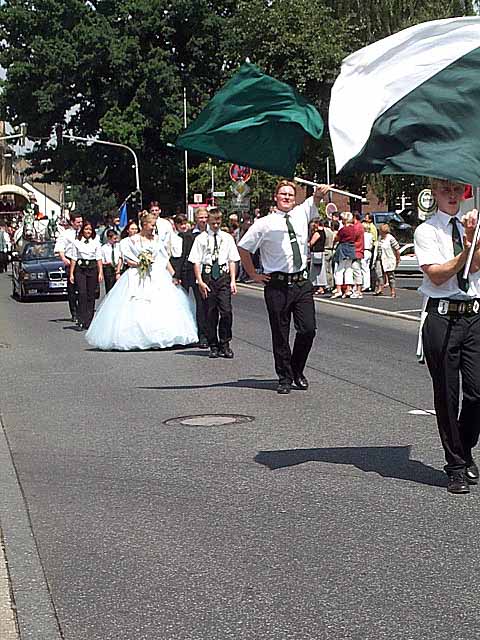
[286, 183]
[437, 183]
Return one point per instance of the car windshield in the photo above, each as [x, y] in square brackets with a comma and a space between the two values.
[38, 251]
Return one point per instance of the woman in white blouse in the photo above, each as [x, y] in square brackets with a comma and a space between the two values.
[86, 271]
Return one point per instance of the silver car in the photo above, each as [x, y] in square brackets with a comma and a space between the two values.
[408, 261]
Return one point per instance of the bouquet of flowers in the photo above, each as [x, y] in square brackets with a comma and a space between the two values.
[145, 261]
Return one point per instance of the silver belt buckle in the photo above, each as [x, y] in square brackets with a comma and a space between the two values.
[443, 307]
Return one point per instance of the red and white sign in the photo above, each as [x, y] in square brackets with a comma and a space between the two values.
[238, 172]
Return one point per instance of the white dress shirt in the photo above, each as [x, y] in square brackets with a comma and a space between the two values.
[434, 245]
[107, 253]
[270, 235]
[64, 242]
[91, 250]
[202, 250]
[171, 241]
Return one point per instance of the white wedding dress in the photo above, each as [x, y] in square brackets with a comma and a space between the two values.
[144, 313]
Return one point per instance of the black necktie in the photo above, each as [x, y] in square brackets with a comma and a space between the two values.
[458, 248]
[113, 255]
[215, 265]
[297, 257]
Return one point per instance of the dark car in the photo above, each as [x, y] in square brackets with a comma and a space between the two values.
[403, 231]
[38, 272]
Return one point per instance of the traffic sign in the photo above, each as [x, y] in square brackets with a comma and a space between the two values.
[426, 201]
[239, 172]
[218, 194]
[197, 197]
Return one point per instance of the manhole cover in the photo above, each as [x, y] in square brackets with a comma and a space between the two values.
[210, 420]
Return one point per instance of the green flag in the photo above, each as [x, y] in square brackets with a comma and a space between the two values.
[255, 121]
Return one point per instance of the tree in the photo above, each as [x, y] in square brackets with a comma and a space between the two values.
[115, 69]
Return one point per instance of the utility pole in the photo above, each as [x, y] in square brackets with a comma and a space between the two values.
[185, 152]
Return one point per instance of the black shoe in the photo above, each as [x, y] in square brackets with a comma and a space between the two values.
[203, 344]
[300, 381]
[73, 319]
[471, 473]
[213, 352]
[283, 388]
[225, 351]
[457, 482]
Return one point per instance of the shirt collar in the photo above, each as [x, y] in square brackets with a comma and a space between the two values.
[446, 217]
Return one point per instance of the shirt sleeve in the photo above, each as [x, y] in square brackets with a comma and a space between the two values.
[74, 251]
[252, 239]
[233, 255]
[308, 208]
[98, 251]
[60, 244]
[426, 245]
[196, 252]
[394, 243]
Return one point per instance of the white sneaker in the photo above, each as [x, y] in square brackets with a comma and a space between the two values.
[336, 295]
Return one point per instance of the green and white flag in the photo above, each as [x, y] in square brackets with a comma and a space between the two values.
[255, 121]
[410, 104]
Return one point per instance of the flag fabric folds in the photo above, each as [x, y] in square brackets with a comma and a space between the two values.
[410, 104]
[254, 121]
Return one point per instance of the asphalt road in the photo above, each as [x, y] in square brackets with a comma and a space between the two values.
[325, 517]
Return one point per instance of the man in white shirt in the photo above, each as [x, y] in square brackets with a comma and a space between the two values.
[64, 248]
[5, 247]
[165, 232]
[214, 256]
[451, 331]
[282, 238]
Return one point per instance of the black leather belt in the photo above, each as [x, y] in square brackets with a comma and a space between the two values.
[288, 279]
[454, 308]
[86, 264]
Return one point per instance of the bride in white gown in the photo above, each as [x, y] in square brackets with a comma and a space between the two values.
[144, 311]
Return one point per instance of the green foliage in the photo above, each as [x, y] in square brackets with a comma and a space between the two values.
[93, 202]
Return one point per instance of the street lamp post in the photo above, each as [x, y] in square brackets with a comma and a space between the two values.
[111, 144]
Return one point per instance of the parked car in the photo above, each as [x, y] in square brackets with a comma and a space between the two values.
[38, 272]
[403, 231]
[408, 264]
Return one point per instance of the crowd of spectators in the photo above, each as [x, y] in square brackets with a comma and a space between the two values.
[349, 256]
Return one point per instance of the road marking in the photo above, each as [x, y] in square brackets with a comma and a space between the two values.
[422, 412]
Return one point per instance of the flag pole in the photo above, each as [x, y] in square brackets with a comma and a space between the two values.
[316, 184]
[471, 251]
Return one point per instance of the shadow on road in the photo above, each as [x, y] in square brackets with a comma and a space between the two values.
[388, 462]
[245, 383]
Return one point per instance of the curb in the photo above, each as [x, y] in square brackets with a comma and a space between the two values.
[36, 617]
[399, 315]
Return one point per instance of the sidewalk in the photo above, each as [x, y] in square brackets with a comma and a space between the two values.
[8, 628]
[407, 304]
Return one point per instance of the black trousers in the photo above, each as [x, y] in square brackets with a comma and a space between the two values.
[109, 277]
[219, 311]
[86, 280]
[283, 302]
[72, 295]
[3, 261]
[452, 350]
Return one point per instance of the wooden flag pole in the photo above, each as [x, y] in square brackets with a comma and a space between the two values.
[316, 184]
[468, 264]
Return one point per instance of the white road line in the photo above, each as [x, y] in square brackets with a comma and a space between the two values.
[422, 412]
